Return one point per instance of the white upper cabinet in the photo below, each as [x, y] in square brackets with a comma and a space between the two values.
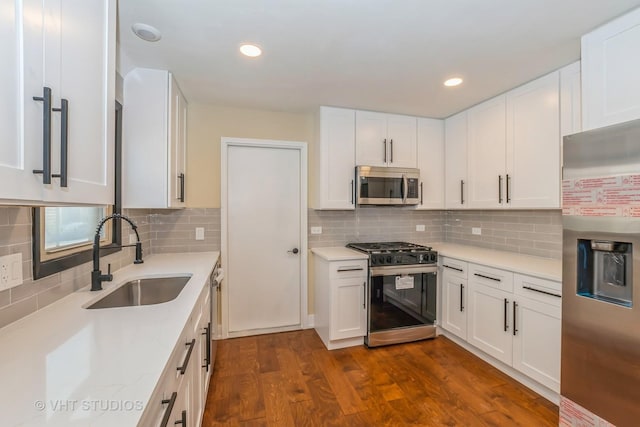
[154, 141]
[455, 155]
[486, 145]
[610, 70]
[63, 54]
[532, 178]
[570, 99]
[336, 155]
[385, 139]
[431, 163]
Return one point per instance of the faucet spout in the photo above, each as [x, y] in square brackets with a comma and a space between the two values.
[96, 275]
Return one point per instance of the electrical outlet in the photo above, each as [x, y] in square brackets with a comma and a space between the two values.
[199, 233]
[476, 230]
[316, 230]
[420, 227]
[10, 271]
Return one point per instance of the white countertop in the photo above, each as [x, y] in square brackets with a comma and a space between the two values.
[68, 366]
[338, 253]
[544, 268]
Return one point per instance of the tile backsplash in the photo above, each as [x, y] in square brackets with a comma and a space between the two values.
[530, 232]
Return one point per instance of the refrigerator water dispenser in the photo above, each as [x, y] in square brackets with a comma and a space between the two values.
[604, 271]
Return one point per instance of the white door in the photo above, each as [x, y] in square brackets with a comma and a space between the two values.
[402, 144]
[348, 308]
[489, 326]
[372, 145]
[265, 245]
[455, 157]
[431, 163]
[454, 301]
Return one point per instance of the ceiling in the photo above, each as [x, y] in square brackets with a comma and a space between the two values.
[383, 55]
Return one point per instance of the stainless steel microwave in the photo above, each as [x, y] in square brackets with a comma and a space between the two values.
[387, 186]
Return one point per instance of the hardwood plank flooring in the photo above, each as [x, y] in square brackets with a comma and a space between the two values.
[290, 379]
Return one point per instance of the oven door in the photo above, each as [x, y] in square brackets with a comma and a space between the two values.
[402, 297]
[387, 186]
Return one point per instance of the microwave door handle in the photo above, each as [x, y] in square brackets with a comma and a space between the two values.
[405, 188]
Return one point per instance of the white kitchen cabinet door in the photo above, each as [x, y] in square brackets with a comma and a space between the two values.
[431, 163]
[532, 178]
[372, 144]
[177, 146]
[402, 141]
[21, 44]
[570, 99]
[610, 69]
[536, 341]
[336, 156]
[154, 141]
[454, 303]
[455, 155]
[386, 140]
[348, 308]
[83, 74]
[489, 327]
[486, 149]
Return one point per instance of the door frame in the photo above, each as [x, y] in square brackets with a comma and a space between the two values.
[301, 147]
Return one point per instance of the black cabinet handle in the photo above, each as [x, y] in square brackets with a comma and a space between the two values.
[167, 411]
[353, 193]
[461, 301]
[421, 199]
[207, 355]
[508, 189]
[487, 277]
[364, 293]
[340, 270]
[506, 307]
[46, 135]
[181, 178]
[462, 191]
[499, 188]
[385, 150]
[542, 292]
[183, 419]
[183, 368]
[64, 142]
[391, 149]
[453, 268]
[515, 328]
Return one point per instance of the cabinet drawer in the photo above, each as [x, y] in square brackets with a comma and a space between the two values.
[493, 277]
[455, 267]
[542, 290]
[346, 269]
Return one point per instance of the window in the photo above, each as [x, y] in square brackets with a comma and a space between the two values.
[63, 236]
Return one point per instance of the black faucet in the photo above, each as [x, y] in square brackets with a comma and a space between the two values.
[96, 275]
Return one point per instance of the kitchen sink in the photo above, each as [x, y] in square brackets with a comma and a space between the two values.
[146, 291]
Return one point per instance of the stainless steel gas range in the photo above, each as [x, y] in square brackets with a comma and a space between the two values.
[401, 292]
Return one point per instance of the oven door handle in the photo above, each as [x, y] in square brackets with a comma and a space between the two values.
[395, 270]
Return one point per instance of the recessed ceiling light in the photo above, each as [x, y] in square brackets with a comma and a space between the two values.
[454, 81]
[250, 50]
[146, 32]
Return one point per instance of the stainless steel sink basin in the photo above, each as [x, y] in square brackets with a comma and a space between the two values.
[147, 291]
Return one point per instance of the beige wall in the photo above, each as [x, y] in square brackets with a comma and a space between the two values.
[208, 123]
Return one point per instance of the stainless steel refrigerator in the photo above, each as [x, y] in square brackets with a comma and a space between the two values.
[600, 377]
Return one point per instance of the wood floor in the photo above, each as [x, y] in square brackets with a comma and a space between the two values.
[290, 379]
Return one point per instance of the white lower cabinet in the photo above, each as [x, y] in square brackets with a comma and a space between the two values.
[454, 297]
[181, 393]
[340, 301]
[513, 318]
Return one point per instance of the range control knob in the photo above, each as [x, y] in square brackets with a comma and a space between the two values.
[389, 259]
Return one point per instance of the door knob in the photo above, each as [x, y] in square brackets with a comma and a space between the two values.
[293, 251]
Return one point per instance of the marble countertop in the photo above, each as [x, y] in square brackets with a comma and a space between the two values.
[544, 268]
[338, 253]
[65, 365]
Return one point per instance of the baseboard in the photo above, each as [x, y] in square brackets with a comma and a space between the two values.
[311, 321]
[543, 391]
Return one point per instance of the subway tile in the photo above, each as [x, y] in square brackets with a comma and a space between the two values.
[5, 297]
[13, 312]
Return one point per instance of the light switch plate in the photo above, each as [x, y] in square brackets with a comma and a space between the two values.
[476, 230]
[420, 227]
[316, 230]
[199, 233]
[10, 271]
